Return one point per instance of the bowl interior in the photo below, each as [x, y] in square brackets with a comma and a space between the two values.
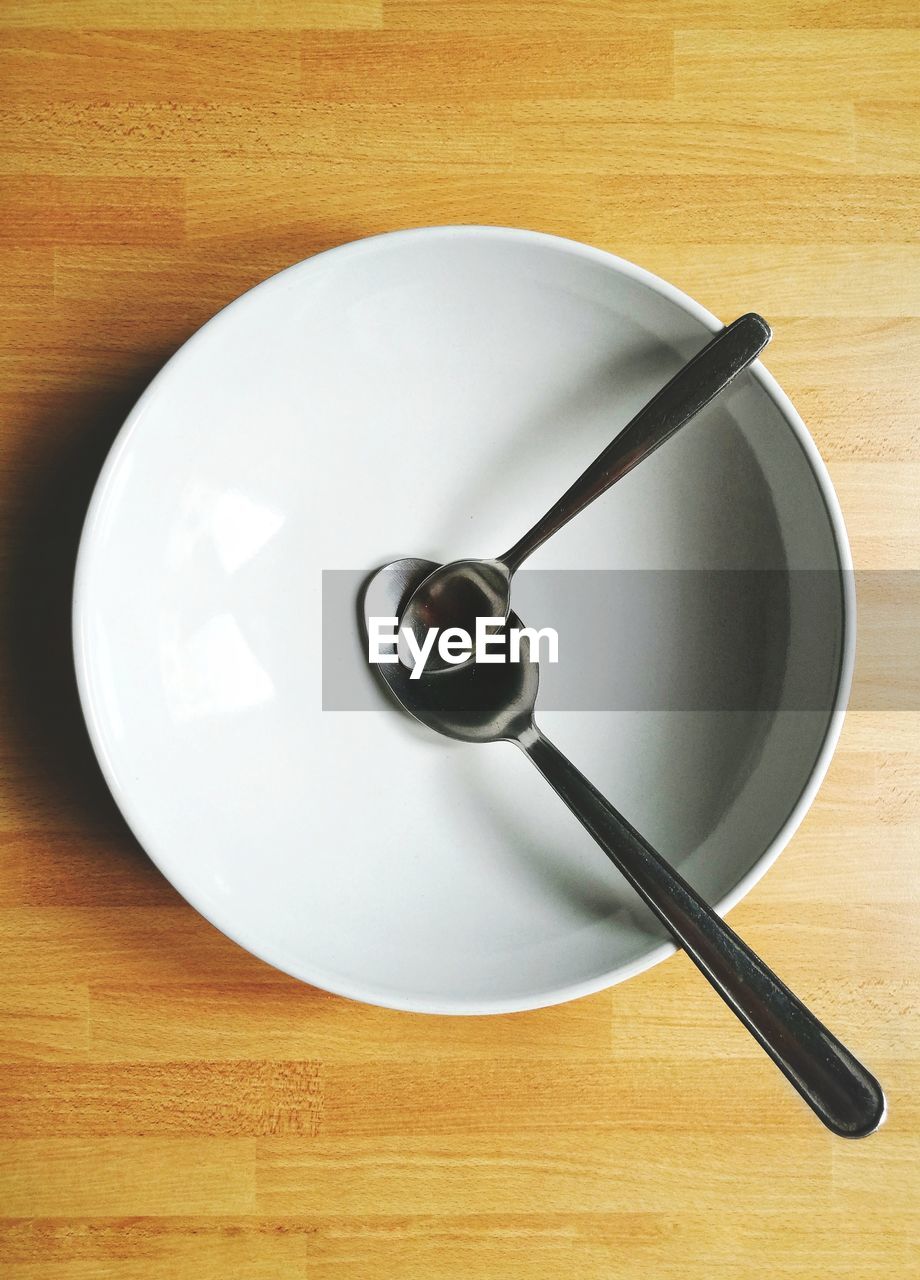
[430, 394]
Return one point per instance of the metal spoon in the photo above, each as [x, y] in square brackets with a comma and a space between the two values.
[496, 703]
[459, 592]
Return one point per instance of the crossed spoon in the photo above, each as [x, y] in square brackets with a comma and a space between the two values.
[495, 703]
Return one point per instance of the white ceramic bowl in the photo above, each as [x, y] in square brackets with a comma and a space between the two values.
[429, 393]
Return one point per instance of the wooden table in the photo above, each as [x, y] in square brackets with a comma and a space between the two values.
[171, 1107]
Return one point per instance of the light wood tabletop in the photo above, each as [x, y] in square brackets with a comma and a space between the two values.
[172, 1107]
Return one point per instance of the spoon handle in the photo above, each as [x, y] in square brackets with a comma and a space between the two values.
[841, 1092]
[690, 390]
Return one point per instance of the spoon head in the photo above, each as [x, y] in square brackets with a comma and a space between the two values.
[455, 595]
[476, 702]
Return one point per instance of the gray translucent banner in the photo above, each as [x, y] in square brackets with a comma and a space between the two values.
[695, 640]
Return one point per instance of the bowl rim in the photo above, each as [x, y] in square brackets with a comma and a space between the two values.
[336, 983]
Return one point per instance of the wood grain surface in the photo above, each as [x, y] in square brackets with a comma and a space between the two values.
[171, 1107]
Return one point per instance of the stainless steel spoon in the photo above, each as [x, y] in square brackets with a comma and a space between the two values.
[496, 703]
[457, 593]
